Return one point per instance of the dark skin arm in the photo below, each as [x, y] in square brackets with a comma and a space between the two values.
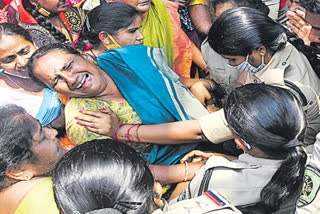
[175, 173]
[106, 122]
[200, 18]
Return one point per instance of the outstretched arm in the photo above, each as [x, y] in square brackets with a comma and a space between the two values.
[106, 122]
[175, 173]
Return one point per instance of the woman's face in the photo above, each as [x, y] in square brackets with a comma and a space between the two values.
[254, 59]
[70, 75]
[54, 5]
[142, 6]
[46, 148]
[130, 35]
[15, 52]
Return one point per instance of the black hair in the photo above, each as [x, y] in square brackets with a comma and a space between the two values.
[44, 50]
[239, 31]
[44, 21]
[269, 117]
[256, 4]
[312, 6]
[103, 175]
[107, 17]
[14, 30]
[16, 138]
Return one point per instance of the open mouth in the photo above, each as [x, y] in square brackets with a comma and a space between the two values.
[83, 81]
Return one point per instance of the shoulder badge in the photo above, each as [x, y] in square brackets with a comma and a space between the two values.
[311, 184]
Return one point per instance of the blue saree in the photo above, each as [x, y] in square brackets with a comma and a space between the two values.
[154, 91]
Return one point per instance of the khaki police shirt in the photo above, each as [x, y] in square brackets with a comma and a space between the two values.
[287, 64]
[239, 181]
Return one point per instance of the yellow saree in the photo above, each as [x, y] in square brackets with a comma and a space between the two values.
[39, 200]
[161, 28]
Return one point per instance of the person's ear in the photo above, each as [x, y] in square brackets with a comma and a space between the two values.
[89, 58]
[18, 173]
[104, 38]
[157, 193]
[241, 144]
[262, 50]
[34, 3]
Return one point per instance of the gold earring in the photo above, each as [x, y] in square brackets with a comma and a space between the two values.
[42, 11]
[27, 177]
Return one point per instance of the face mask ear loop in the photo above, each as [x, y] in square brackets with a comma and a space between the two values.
[262, 59]
[247, 58]
[114, 41]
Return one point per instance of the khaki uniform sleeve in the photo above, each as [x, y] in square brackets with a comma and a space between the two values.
[214, 126]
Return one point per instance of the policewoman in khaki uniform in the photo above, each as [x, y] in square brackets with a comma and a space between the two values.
[256, 44]
[267, 123]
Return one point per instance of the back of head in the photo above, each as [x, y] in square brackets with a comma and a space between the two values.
[256, 4]
[103, 175]
[15, 138]
[271, 119]
[107, 17]
[14, 30]
[239, 31]
[43, 21]
[265, 116]
[312, 6]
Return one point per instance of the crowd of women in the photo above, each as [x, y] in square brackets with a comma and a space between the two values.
[156, 106]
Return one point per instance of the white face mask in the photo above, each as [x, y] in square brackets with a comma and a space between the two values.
[246, 66]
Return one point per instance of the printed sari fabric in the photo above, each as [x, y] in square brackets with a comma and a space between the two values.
[79, 134]
[161, 28]
[154, 91]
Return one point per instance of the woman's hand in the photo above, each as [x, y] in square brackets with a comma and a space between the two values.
[212, 108]
[104, 122]
[299, 25]
[200, 156]
[197, 156]
[200, 90]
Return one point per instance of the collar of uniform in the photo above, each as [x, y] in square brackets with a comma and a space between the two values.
[249, 159]
[273, 73]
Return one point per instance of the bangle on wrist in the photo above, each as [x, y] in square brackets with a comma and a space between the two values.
[116, 132]
[205, 69]
[210, 83]
[186, 171]
[128, 132]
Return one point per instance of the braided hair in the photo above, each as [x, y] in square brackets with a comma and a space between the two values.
[44, 21]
